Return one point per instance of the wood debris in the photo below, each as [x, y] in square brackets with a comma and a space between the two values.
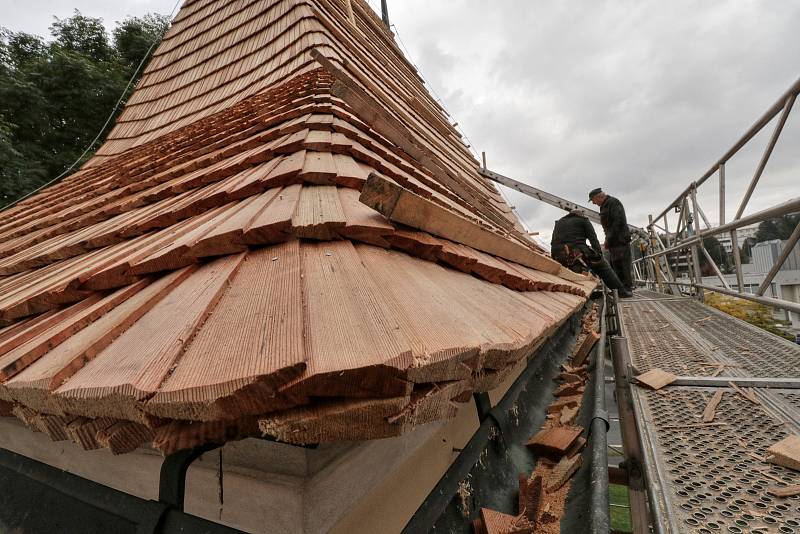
[586, 347]
[553, 443]
[785, 453]
[530, 496]
[560, 403]
[568, 415]
[656, 379]
[569, 389]
[747, 393]
[711, 407]
[786, 491]
[563, 471]
[494, 522]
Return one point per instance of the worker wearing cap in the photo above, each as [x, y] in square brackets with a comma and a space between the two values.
[618, 235]
[568, 247]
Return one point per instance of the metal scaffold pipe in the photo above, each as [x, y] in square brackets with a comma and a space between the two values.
[600, 513]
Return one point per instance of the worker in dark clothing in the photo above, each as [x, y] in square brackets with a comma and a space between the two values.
[618, 235]
[568, 247]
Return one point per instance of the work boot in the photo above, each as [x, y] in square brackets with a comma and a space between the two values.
[624, 294]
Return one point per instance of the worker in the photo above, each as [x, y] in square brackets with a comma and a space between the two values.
[568, 247]
[618, 235]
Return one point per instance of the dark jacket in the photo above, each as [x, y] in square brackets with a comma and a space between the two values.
[615, 224]
[573, 230]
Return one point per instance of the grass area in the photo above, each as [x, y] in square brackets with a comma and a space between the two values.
[620, 517]
[754, 313]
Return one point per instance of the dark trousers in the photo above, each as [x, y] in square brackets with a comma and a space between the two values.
[621, 263]
[590, 259]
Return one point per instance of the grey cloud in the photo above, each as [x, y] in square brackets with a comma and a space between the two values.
[639, 97]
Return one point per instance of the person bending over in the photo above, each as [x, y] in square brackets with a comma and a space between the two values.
[568, 247]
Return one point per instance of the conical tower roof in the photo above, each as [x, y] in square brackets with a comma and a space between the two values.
[282, 235]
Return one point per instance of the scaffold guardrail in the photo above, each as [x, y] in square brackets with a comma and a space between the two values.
[654, 267]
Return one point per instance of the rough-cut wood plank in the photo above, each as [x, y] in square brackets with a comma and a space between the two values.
[559, 404]
[711, 408]
[15, 335]
[181, 435]
[336, 421]
[348, 172]
[562, 472]
[499, 523]
[273, 224]
[55, 426]
[569, 389]
[656, 379]
[124, 437]
[27, 416]
[785, 453]
[95, 307]
[83, 431]
[554, 442]
[447, 315]
[403, 206]
[530, 496]
[353, 345]
[285, 173]
[417, 244]
[177, 253]
[786, 491]
[585, 348]
[227, 237]
[568, 415]
[319, 168]
[457, 256]
[319, 213]
[264, 304]
[33, 385]
[134, 366]
[363, 223]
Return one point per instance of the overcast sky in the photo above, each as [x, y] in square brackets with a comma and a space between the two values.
[637, 97]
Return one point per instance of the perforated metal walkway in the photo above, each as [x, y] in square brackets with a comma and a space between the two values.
[709, 479]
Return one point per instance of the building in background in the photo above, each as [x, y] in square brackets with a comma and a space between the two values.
[785, 285]
[743, 233]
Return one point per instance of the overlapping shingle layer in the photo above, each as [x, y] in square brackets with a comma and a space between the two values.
[213, 272]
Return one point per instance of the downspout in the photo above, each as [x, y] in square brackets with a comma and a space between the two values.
[600, 520]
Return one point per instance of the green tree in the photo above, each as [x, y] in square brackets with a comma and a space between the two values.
[56, 95]
[134, 37]
[778, 228]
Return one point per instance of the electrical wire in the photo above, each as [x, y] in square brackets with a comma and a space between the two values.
[102, 129]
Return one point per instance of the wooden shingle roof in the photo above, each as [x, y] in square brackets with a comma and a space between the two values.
[283, 234]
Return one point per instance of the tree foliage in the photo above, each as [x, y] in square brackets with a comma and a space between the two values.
[56, 95]
[778, 228]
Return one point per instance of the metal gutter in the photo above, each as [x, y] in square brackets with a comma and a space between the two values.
[36, 497]
[489, 465]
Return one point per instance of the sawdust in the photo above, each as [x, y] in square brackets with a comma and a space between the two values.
[464, 497]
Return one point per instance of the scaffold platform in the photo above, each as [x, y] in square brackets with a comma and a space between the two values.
[709, 477]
